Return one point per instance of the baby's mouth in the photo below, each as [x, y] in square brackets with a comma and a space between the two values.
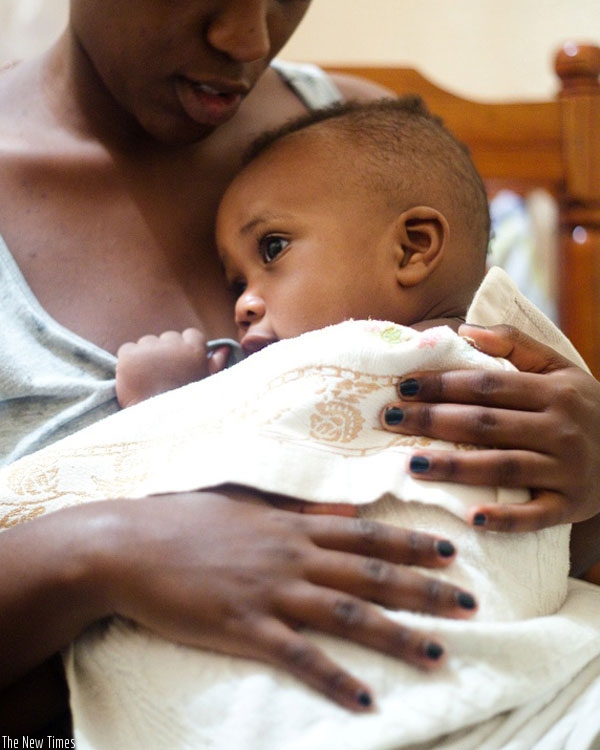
[254, 342]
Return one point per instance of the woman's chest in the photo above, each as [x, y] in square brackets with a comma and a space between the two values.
[112, 256]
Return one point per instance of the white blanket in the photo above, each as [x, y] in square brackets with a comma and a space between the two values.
[301, 418]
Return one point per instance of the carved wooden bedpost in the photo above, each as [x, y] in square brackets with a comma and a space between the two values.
[578, 67]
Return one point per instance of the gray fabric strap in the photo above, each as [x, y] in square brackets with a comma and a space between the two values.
[310, 84]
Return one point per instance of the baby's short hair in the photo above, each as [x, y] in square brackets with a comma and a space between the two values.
[404, 150]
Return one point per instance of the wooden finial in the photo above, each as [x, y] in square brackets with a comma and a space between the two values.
[578, 67]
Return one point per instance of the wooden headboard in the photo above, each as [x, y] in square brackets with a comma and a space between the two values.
[554, 145]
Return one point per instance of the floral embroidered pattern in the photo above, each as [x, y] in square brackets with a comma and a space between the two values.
[393, 335]
[336, 422]
[283, 419]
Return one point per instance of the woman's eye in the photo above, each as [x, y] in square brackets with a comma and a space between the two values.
[271, 246]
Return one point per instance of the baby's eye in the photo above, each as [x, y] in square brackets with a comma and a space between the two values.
[270, 246]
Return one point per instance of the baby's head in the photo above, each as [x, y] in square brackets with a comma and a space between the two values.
[357, 211]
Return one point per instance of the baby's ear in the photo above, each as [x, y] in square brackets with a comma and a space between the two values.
[421, 238]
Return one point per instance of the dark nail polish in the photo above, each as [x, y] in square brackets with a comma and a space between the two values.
[393, 415]
[364, 699]
[466, 601]
[479, 519]
[419, 464]
[433, 651]
[445, 548]
[409, 387]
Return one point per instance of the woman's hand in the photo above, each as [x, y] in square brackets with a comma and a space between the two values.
[541, 428]
[227, 573]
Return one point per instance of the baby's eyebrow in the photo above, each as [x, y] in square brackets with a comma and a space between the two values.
[249, 226]
[252, 224]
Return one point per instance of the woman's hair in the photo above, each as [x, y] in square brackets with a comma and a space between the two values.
[403, 150]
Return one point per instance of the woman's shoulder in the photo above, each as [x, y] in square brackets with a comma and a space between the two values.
[356, 88]
[316, 87]
[286, 90]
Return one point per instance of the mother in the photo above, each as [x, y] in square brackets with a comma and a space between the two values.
[115, 147]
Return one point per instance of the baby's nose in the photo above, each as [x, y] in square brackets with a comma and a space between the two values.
[249, 309]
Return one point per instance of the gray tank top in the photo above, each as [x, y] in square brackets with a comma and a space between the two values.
[311, 85]
[52, 381]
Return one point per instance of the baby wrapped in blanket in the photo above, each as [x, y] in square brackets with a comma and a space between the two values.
[301, 418]
[535, 629]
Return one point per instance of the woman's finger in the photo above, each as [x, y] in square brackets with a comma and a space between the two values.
[390, 585]
[331, 529]
[352, 619]
[477, 425]
[491, 388]
[545, 509]
[524, 352]
[297, 655]
[373, 540]
[495, 468]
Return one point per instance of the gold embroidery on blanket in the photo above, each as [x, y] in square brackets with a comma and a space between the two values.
[19, 514]
[335, 422]
[324, 408]
[336, 418]
[34, 483]
[40, 481]
[37, 486]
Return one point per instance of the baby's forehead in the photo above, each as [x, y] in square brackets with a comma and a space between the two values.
[306, 143]
[309, 163]
[295, 156]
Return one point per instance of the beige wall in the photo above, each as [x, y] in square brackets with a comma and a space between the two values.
[482, 48]
[26, 26]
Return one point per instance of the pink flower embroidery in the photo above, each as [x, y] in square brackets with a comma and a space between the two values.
[428, 341]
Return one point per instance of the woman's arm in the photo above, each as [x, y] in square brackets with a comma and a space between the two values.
[207, 570]
[541, 427]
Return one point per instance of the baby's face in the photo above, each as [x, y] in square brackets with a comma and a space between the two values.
[303, 245]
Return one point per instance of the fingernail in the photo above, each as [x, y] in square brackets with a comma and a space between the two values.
[393, 415]
[364, 699]
[479, 519]
[419, 464]
[445, 548]
[433, 651]
[409, 387]
[464, 600]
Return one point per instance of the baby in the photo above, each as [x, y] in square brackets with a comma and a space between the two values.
[356, 211]
[362, 211]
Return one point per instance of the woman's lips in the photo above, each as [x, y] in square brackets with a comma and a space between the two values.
[209, 104]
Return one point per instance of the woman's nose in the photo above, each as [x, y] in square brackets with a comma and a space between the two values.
[249, 309]
[240, 29]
